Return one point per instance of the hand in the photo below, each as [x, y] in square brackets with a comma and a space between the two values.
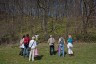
[20, 44]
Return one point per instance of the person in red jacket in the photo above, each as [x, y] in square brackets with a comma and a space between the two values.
[26, 44]
[26, 40]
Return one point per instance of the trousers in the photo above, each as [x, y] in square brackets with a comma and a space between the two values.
[31, 55]
[61, 50]
[51, 49]
[70, 46]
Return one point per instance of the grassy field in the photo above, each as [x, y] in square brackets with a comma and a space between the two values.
[85, 53]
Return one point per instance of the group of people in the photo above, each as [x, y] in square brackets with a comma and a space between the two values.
[61, 45]
[29, 46]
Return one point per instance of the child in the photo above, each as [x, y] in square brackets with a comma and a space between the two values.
[36, 37]
[36, 50]
[61, 46]
[70, 45]
[32, 45]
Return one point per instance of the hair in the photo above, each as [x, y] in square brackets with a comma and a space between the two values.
[62, 39]
[50, 35]
[27, 35]
[23, 36]
[33, 38]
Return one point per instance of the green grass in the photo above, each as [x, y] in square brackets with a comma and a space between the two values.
[85, 53]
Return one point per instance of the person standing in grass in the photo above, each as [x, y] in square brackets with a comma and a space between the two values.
[32, 46]
[37, 38]
[51, 42]
[70, 45]
[26, 44]
[61, 46]
[36, 50]
[22, 45]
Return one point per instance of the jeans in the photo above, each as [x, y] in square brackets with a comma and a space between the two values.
[25, 52]
[51, 49]
[61, 50]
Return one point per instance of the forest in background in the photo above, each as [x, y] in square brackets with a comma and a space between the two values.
[45, 17]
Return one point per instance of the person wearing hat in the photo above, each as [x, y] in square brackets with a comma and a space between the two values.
[51, 42]
[32, 45]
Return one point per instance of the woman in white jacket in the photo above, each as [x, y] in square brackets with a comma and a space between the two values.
[32, 45]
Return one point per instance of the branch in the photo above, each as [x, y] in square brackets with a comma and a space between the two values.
[40, 5]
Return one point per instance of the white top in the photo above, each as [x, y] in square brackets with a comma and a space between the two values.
[32, 44]
[22, 46]
[22, 43]
[51, 41]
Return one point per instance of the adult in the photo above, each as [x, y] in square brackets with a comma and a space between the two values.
[70, 45]
[32, 45]
[26, 45]
[51, 42]
[61, 46]
[22, 45]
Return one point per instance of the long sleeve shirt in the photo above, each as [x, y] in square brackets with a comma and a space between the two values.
[51, 41]
[32, 44]
[70, 40]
